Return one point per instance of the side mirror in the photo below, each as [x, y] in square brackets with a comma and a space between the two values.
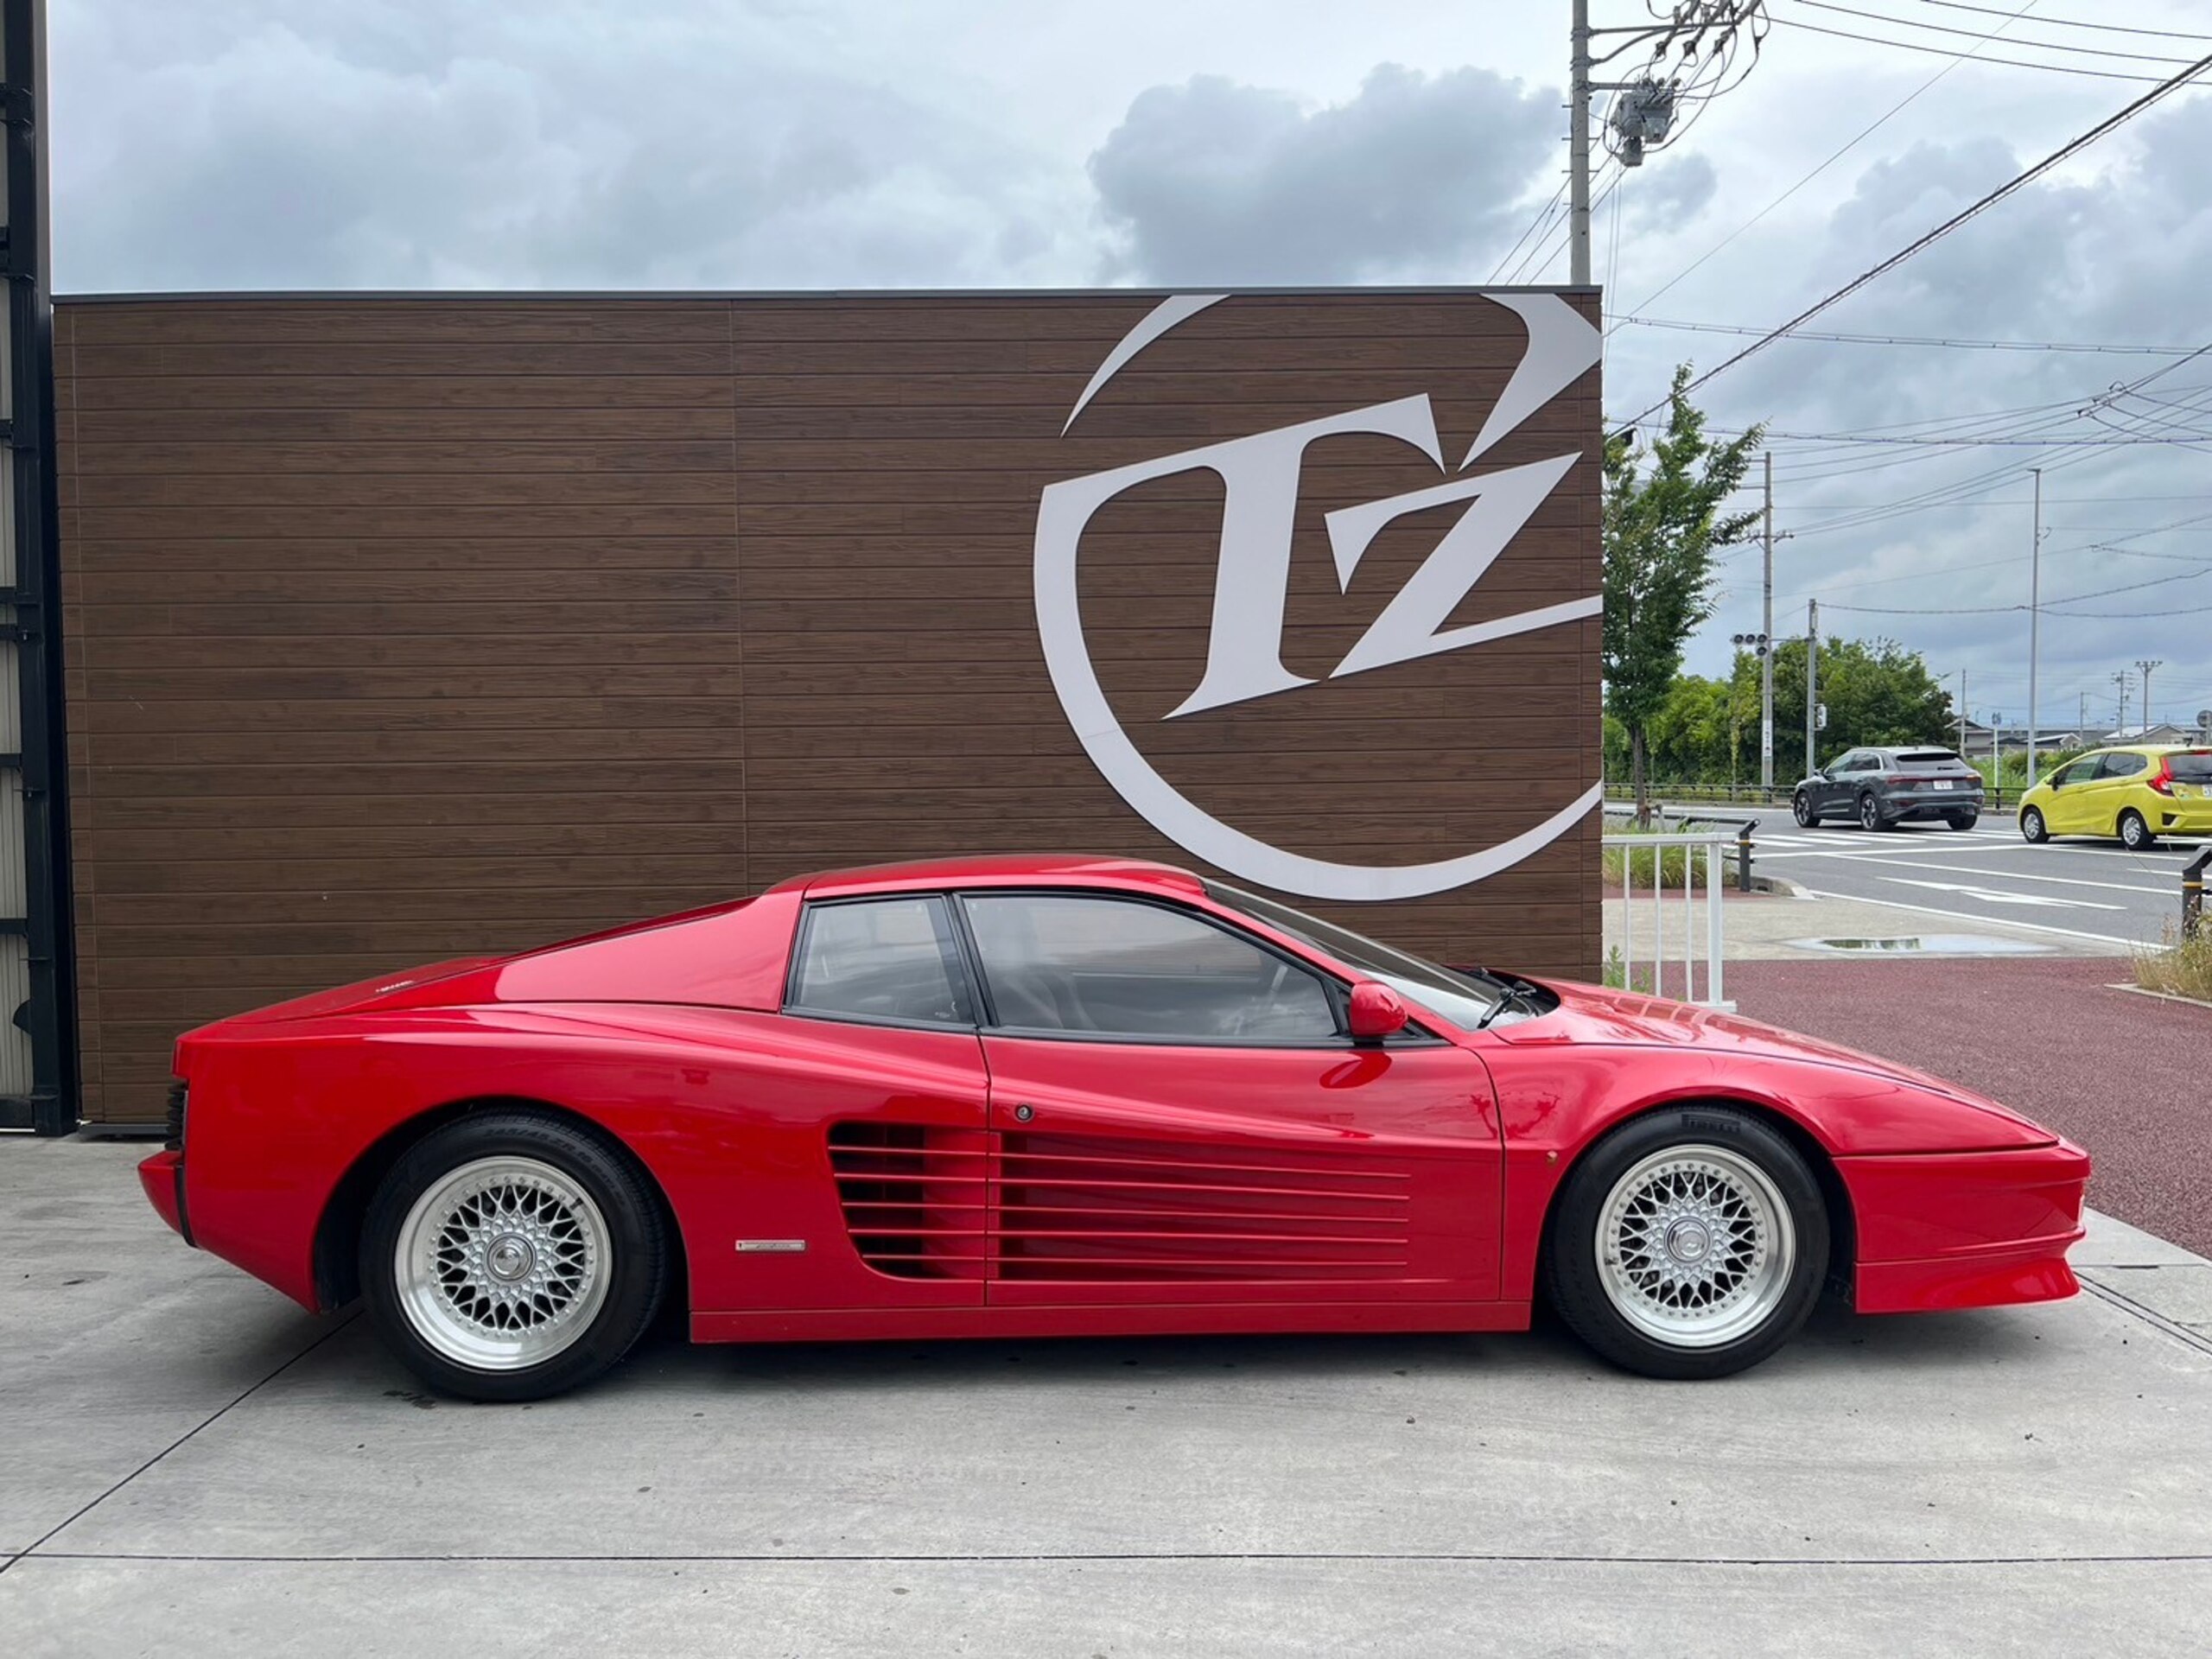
[1375, 1012]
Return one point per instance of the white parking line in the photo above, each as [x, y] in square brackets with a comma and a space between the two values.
[2019, 875]
[1999, 896]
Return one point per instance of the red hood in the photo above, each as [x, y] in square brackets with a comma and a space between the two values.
[1592, 1013]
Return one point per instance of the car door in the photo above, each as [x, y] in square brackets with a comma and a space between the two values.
[2071, 807]
[1836, 791]
[2118, 780]
[1178, 1118]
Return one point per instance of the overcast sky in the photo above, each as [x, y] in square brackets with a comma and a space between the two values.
[793, 143]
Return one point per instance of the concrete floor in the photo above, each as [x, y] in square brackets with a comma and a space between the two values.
[188, 1464]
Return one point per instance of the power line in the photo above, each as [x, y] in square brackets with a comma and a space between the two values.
[1946, 52]
[1998, 610]
[2096, 348]
[2072, 22]
[1951, 29]
[1834, 157]
[2017, 182]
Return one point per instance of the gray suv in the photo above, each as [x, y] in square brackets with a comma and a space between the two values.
[1879, 789]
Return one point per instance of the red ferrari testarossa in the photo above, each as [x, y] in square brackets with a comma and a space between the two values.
[1065, 1095]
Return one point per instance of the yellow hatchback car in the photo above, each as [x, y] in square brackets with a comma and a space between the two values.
[2135, 793]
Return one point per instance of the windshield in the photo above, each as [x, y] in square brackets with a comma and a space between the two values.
[1464, 1001]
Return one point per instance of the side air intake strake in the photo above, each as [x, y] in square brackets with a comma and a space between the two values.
[914, 1196]
[1088, 1209]
[924, 1201]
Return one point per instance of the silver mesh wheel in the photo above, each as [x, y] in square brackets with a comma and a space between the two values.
[1696, 1246]
[502, 1264]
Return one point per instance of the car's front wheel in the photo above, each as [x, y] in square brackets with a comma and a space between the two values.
[1689, 1243]
[1801, 808]
[2032, 828]
[511, 1256]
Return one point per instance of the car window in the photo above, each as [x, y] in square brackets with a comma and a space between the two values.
[2080, 772]
[2121, 764]
[1849, 762]
[888, 959]
[1121, 968]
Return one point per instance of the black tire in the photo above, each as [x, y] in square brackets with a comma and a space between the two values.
[2136, 835]
[1577, 1281]
[1962, 820]
[1801, 808]
[1870, 812]
[621, 1219]
[2032, 828]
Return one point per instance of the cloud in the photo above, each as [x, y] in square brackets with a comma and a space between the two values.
[1415, 178]
[561, 145]
[2113, 256]
[1668, 195]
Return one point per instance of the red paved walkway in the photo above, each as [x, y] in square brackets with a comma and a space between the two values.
[2126, 1077]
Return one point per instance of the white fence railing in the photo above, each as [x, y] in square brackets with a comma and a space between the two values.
[1663, 940]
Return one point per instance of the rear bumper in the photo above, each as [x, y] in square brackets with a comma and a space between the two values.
[162, 1176]
[1966, 1229]
[2192, 818]
[1930, 803]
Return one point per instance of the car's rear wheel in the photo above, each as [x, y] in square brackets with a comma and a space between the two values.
[511, 1256]
[2032, 828]
[1688, 1243]
[1870, 812]
[2134, 834]
[1961, 820]
[1801, 808]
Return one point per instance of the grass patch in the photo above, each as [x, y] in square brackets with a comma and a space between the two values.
[1620, 977]
[1678, 867]
[2184, 968]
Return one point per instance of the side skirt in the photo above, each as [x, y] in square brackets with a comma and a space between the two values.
[1226, 1318]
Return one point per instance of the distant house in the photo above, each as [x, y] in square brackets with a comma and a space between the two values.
[2165, 732]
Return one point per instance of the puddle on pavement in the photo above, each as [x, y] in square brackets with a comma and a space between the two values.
[1927, 944]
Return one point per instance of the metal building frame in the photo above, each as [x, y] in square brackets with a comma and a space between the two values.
[31, 606]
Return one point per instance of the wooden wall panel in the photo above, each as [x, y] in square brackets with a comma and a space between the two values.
[404, 629]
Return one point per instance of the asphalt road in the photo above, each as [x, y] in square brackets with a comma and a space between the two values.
[2089, 889]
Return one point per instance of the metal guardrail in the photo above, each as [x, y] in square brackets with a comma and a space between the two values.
[1995, 799]
[1645, 962]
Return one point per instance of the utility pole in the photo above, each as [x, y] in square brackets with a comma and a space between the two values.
[1996, 753]
[2121, 680]
[2081, 721]
[1812, 678]
[2035, 617]
[1766, 650]
[2146, 665]
[1962, 712]
[1577, 144]
[1642, 112]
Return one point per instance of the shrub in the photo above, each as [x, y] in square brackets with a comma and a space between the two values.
[2182, 968]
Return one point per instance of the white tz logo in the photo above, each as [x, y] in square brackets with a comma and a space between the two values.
[1259, 481]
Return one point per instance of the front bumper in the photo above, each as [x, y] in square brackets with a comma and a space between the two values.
[162, 1176]
[1966, 1229]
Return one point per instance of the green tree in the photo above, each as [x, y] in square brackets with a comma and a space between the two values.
[1876, 691]
[1662, 521]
